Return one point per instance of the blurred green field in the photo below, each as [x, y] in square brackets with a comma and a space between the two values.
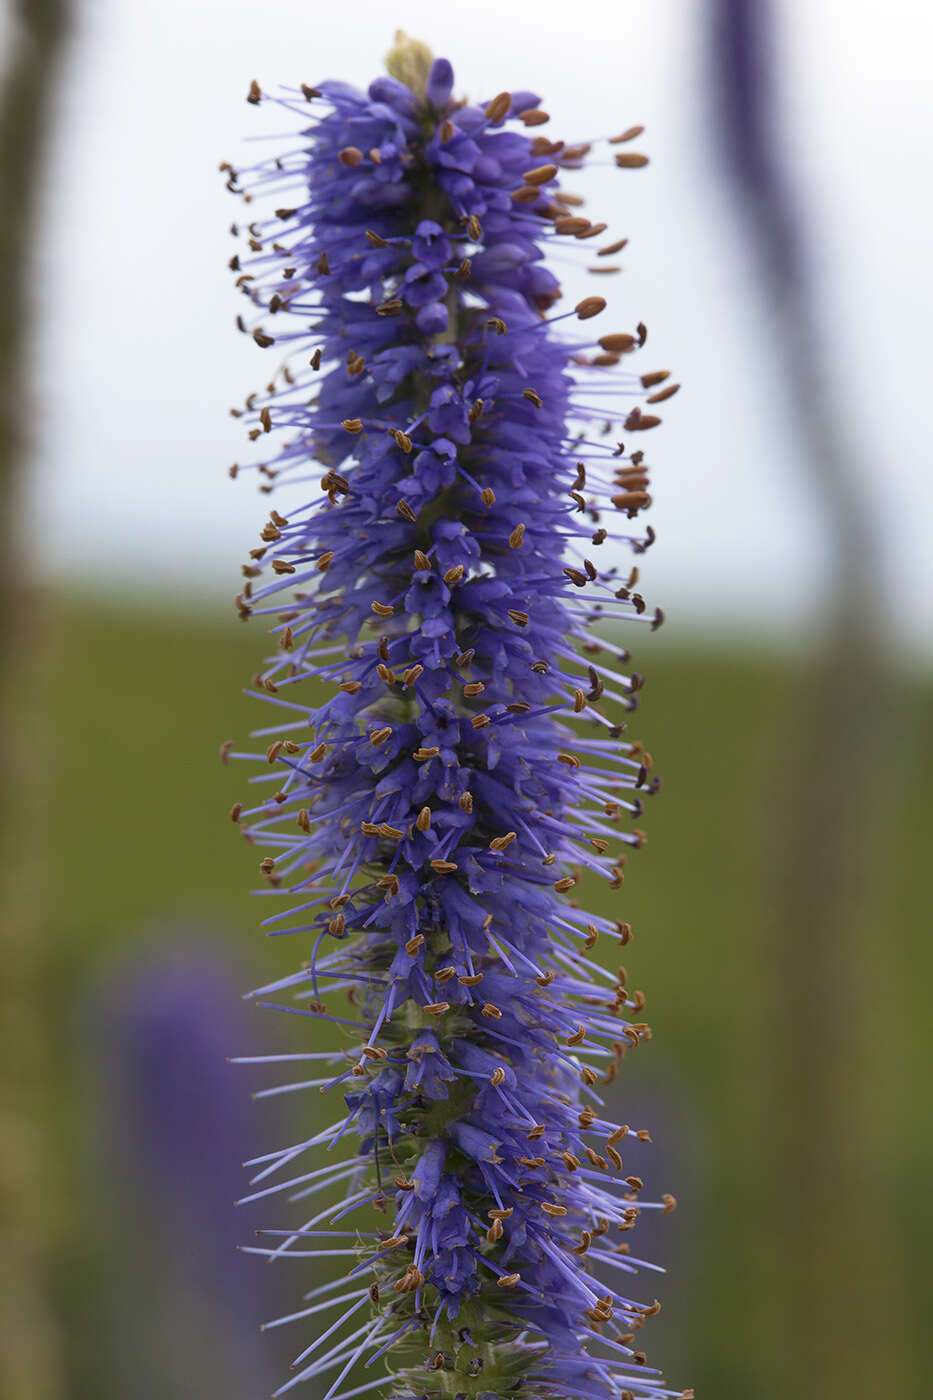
[136, 703]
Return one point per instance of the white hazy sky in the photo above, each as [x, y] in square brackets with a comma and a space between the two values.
[137, 361]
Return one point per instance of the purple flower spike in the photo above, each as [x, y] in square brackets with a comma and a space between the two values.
[447, 753]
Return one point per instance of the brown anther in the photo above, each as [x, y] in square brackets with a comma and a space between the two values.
[632, 501]
[254, 95]
[516, 537]
[567, 883]
[496, 323]
[532, 1162]
[476, 411]
[501, 843]
[480, 721]
[532, 396]
[349, 687]
[474, 228]
[572, 224]
[263, 340]
[507, 1280]
[423, 754]
[422, 562]
[488, 496]
[403, 1183]
[385, 673]
[273, 751]
[628, 134]
[618, 342]
[588, 307]
[588, 1076]
[631, 160]
[410, 1281]
[379, 736]
[597, 1160]
[494, 1232]
[352, 425]
[350, 155]
[323, 264]
[446, 131]
[657, 376]
[498, 109]
[444, 974]
[553, 1210]
[465, 802]
[413, 944]
[454, 575]
[382, 609]
[534, 117]
[376, 239]
[267, 866]
[569, 760]
[474, 688]
[525, 194]
[390, 884]
[315, 360]
[391, 307]
[670, 1203]
[540, 175]
[497, 1077]
[546, 978]
[519, 618]
[500, 1213]
[443, 867]
[437, 1008]
[611, 248]
[570, 1161]
[463, 271]
[317, 754]
[403, 509]
[235, 811]
[492, 1013]
[410, 675]
[614, 1156]
[578, 1036]
[225, 749]
[664, 394]
[391, 833]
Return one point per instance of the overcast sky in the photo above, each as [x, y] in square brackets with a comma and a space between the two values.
[137, 360]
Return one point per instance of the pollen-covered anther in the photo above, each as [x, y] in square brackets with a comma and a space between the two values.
[491, 1012]
[497, 1077]
[516, 537]
[454, 574]
[578, 1036]
[235, 811]
[411, 1280]
[443, 867]
[496, 323]
[411, 674]
[474, 688]
[532, 396]
[382, 609]
[423, 819]
[518, 617]
[553, 1210]
[352, 425]
[501, 843]
[436, 1008]
[423, 754]
[375, 1052]
[379, 736]
[670, 1203]
[480, 721]
[413, 944]
[267, 866]
[569, 760]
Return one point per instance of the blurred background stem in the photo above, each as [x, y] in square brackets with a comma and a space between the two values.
[30, 1362]
[817, 1133]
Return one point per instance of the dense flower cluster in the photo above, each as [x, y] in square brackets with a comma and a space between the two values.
[451, 757]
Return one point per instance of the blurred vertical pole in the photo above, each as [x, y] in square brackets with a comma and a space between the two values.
[821, 1278]
[29, 1354]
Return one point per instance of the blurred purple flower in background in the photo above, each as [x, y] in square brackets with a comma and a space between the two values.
[469, 764]
[173, 1122]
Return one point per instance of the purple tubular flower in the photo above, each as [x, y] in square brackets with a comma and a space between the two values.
[448, 754]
